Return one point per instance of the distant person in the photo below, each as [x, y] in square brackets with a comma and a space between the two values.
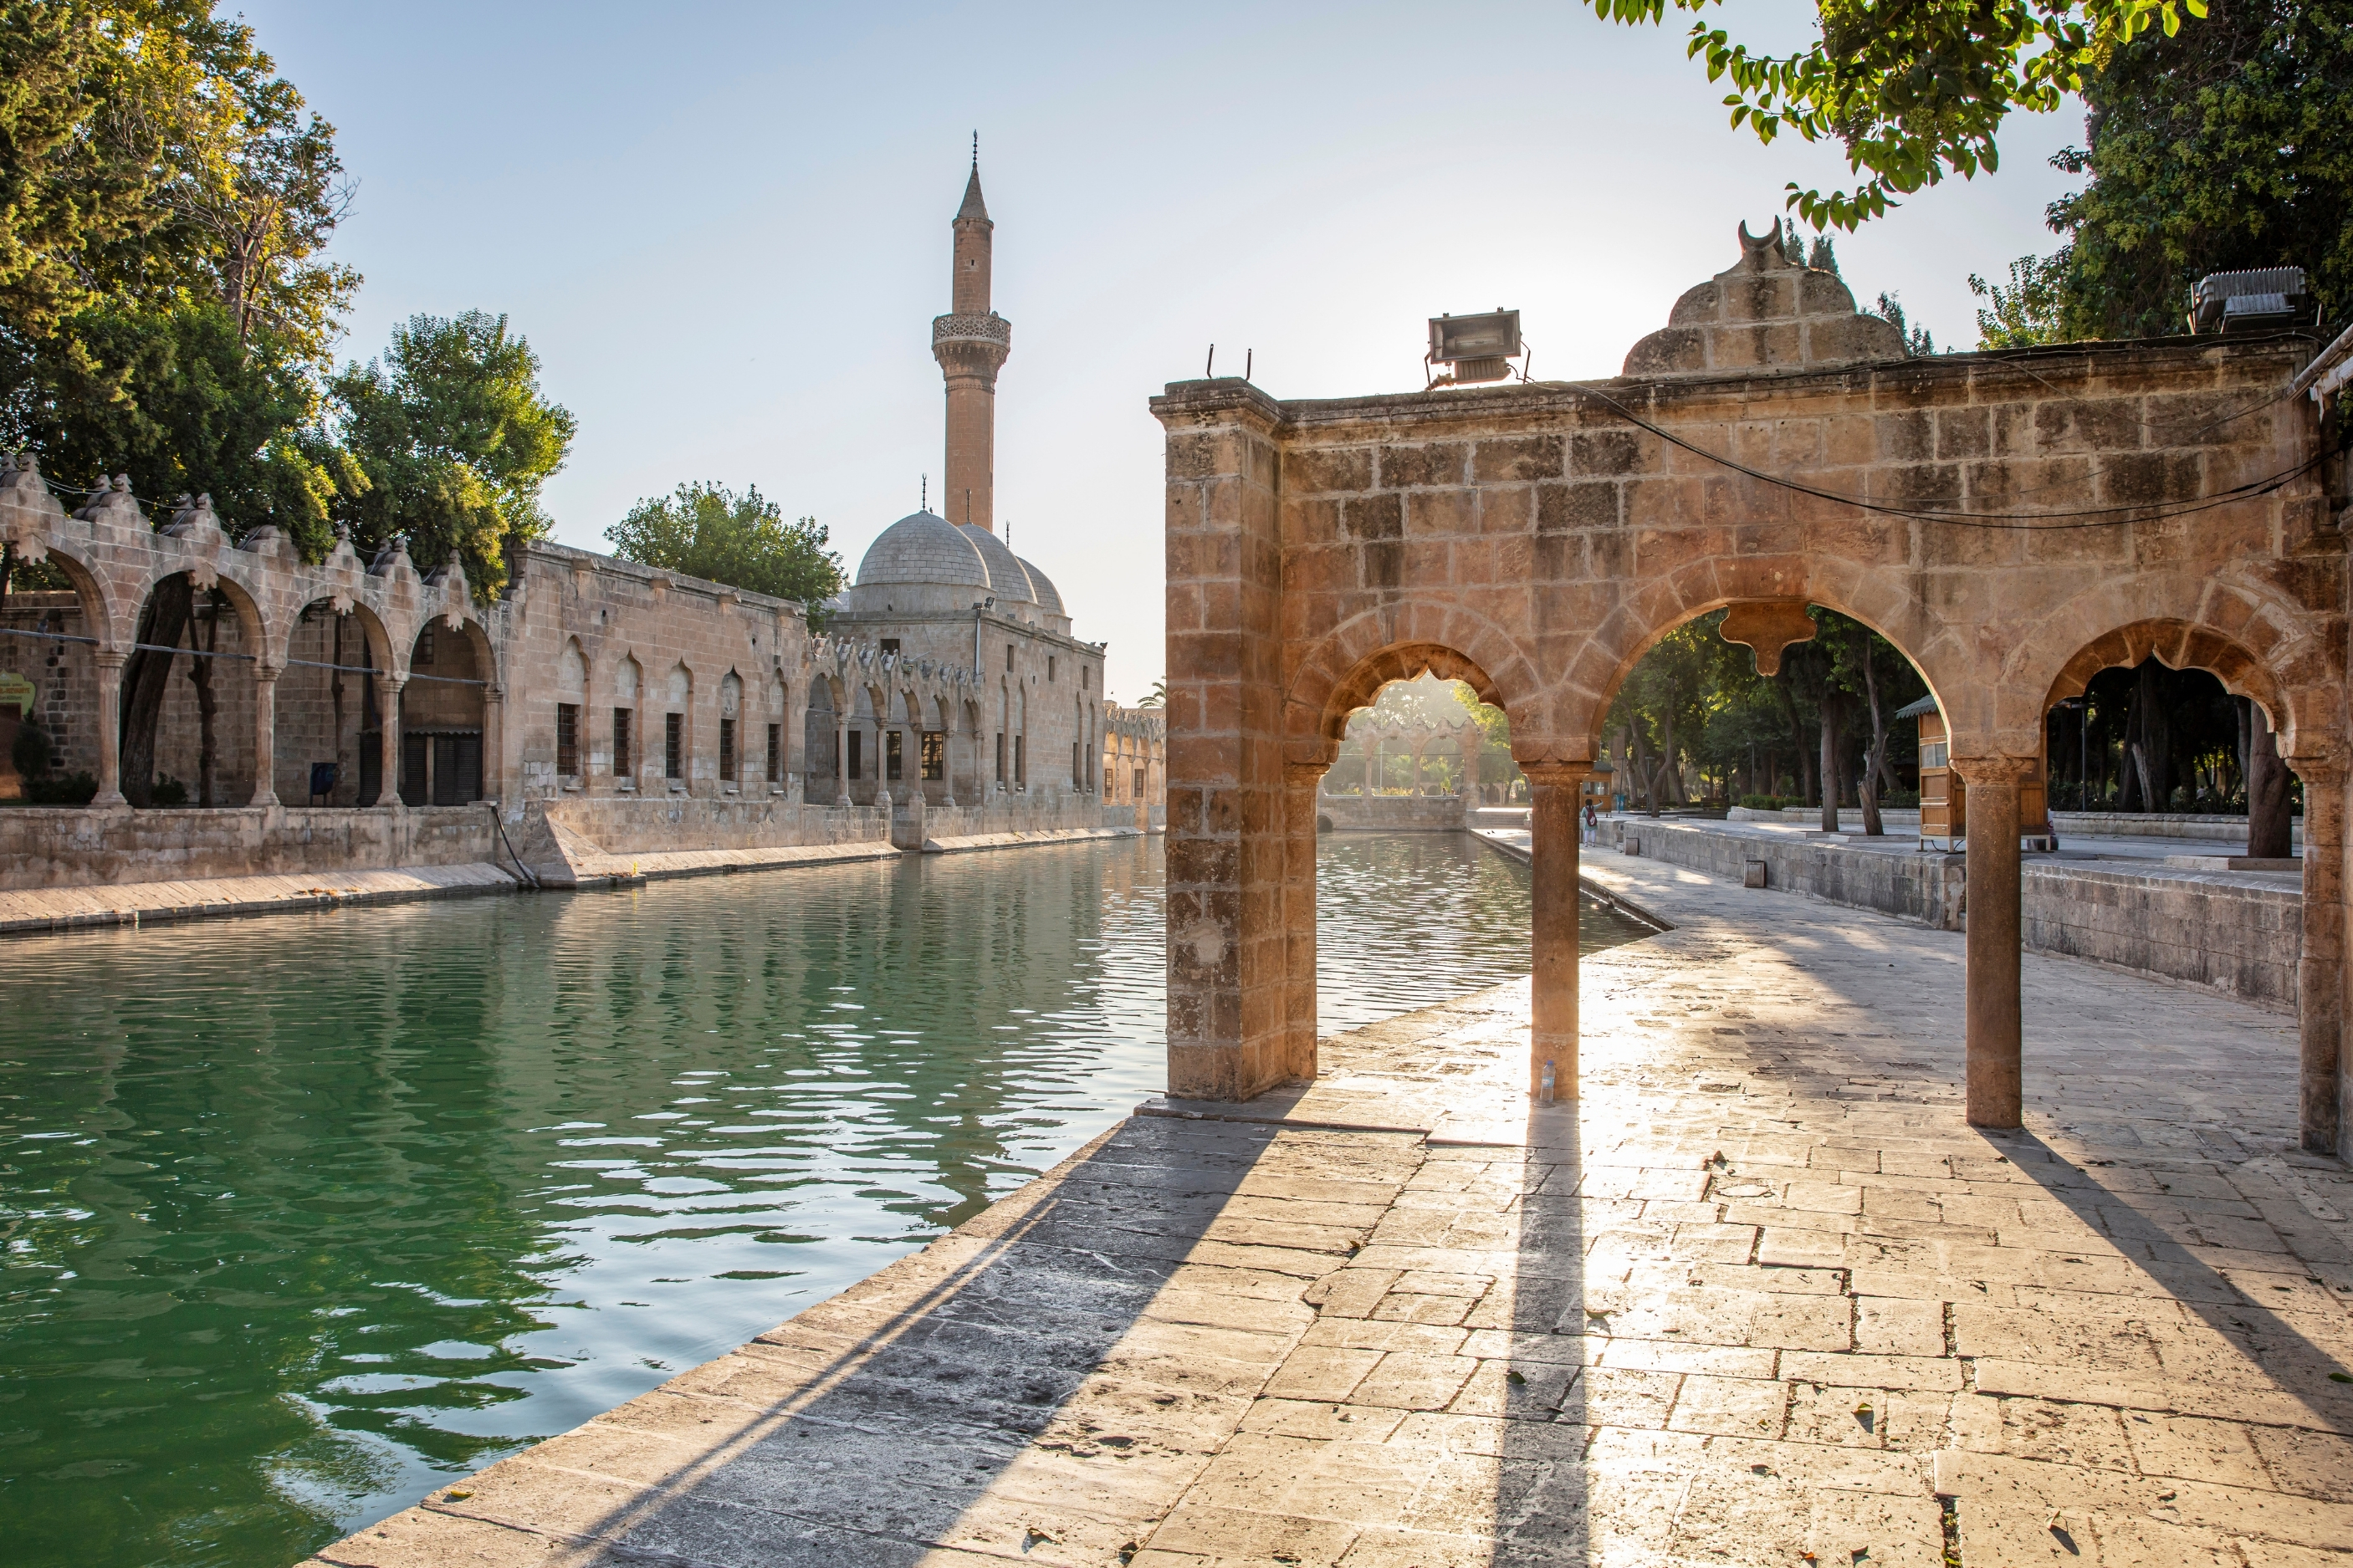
[1592, 824]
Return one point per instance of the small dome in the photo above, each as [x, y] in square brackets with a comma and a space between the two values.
[1048, 599]
[923, 547]
[1007, 580]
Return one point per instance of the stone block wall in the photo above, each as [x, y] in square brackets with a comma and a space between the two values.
[1924, 886]
[1391, 813]
[2208, 930]
[70, 848]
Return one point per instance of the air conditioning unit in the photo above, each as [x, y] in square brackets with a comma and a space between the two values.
[2244, 302]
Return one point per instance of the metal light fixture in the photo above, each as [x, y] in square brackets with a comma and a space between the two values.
[1475, 348]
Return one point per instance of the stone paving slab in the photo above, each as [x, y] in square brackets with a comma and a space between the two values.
[1761, 1297]
[136, 903]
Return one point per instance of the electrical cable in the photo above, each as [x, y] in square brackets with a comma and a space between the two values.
[2023, 522]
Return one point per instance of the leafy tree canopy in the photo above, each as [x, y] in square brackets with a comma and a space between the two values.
[708, 531]
[2227, 146]
[455, 439]
[164, 303]
[1913, 91]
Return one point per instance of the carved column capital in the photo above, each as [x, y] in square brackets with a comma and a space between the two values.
[1991, 770]
[1564, 775]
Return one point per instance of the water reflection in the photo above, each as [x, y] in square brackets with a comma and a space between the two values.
[301, 1214]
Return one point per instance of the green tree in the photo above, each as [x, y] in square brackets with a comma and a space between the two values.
[164, 304]
[709, 530]
[1914, 91]
[455, 439]
[2228, 146]
[2032, 309]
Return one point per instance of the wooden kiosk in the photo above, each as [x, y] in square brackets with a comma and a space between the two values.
[1944, 798]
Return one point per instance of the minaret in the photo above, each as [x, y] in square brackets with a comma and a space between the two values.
[970, 343]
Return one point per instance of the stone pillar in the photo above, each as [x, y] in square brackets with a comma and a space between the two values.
[1228, 949]
[387, 707]
[841, 755]
[1554, 851]
[1301, 783]
[265, 734]
[1995, 1068]
[110, 728]
[947, 762]
[883, 730]
[2320, 972]
[494, 765]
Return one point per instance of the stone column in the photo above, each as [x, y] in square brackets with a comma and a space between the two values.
[2320, 972]
[947, 762]
[110, 728]
[495, 729]
[1554, 851]
[1229, 953]
[1996, 1070]
[387, 707]
[1301, 783]
[841, 755]
[883, 730]
[265, 734]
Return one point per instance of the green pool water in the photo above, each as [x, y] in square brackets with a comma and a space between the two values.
[304, 1214]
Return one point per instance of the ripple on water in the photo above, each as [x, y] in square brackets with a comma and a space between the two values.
[304, 1215]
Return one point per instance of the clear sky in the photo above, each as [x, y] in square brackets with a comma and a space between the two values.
[724, 227]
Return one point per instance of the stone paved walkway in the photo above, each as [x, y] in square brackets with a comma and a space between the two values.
[1762, 1298]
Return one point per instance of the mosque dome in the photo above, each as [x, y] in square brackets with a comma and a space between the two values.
[1049, 598]
[1007, 579]
[923, 547]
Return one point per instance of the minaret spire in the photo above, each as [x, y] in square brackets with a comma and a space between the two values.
[971, 343]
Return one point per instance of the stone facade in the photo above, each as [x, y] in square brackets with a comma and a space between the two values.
[2013, 521]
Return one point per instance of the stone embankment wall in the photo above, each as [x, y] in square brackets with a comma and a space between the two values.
[67, 848]
[1392, 813]
[1925, 886]
[2223, 933]
[2069, 824]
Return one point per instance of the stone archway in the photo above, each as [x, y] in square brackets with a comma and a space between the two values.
[1770, 445]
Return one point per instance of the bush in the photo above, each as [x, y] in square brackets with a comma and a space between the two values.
[73, 789]
[1767, 802]
[167, 792]
[31, 754]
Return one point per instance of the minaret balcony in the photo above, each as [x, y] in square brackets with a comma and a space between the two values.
[989, 329]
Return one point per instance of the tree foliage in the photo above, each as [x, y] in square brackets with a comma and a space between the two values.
[2228, 146]
[1913, 91]
[708, 531]
[164, 303]
[455, 439]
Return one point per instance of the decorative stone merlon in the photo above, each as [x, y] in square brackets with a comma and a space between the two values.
[1765, 313]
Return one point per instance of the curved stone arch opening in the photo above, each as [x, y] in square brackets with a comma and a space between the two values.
[327, 725]
[1761, 629]
[1360, 684]
[627, 688]
[1658, 631]
[46, 680]
[674, 745]
[2179, 645]
[1353, 661]
[192, 720]
[730, 746]
[821, 740]
[445, 714]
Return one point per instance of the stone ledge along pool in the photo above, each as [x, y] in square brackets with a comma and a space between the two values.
[306, 1214]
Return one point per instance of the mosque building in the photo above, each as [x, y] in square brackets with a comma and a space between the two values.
[947, 590]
